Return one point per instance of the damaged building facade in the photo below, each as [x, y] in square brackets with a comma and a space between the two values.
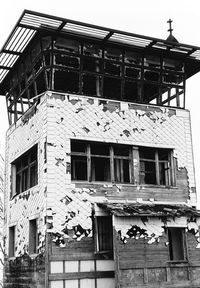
[100, 186]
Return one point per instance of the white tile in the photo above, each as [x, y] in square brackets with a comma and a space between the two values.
[56, 284]
[71, 266]
[86, 266]
[87, 283]
[105, 282]
[105, 265]
[56, 267]
[71, 283]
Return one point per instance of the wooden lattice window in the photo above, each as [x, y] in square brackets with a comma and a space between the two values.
[25, 171]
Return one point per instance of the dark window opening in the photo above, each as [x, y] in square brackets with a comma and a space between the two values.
[150, 91]
[155, 166]
[79, 167]
[151, 76]
[67, 45]
[121, 169]
[100, 162]
[177, 246]
[112, 87]
[47, 58]
[33, 236]
[25, 171]
[41, 83]
[104, 233]
[12, 241]
[90, 49]
[100, 169]
[132, 72]
[100, 149]
[68, 61]
[91, 85]
[112, 68]
[131, 91]
[66, 81]
[112, 53]
[91, 64]
[132, 58]
[31, 90]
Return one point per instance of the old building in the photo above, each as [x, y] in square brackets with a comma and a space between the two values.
[100, 186]
[1, 217]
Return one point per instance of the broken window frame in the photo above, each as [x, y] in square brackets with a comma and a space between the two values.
[169, 178]
[103, 234]
[22, 177]
[177, 244]
[113, 163]
[122, 167]
[141, 62]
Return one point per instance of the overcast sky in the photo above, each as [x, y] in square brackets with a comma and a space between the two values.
[146, 17]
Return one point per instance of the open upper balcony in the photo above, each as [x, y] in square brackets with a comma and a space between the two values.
[50, 53]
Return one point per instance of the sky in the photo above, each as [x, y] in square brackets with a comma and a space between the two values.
[145, 17]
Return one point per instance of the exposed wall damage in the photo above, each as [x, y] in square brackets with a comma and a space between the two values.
[76, 209]
[150, 221]
[125, 123]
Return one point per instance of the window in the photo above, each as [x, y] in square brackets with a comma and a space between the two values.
[24, 171]
[100, 162]
[33, 236]
[11, 241]
[91, 161]
[177, 245]
[155, 166]
[104, 233]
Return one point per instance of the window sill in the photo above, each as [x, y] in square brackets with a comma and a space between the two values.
[21, 193]
[178, 263]
[123, 184]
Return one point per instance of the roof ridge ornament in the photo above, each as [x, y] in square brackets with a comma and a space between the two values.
[170, 26]
[171, 38]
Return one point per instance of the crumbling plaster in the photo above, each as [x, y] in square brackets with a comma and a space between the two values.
[57, 119]
[32, 203]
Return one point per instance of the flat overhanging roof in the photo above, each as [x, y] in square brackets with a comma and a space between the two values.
[31, 23]
[150, 210]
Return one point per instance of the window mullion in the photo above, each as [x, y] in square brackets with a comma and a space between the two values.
[157, 168]
[88, 151]
[135, 169]
[172, 169]
[112, 174]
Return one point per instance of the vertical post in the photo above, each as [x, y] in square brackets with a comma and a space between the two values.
[136, 165]
[89, 170]
[157, 168]
[112, 174]
[172, 169]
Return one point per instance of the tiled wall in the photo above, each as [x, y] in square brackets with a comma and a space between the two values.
[30, 204]
[57, 119]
